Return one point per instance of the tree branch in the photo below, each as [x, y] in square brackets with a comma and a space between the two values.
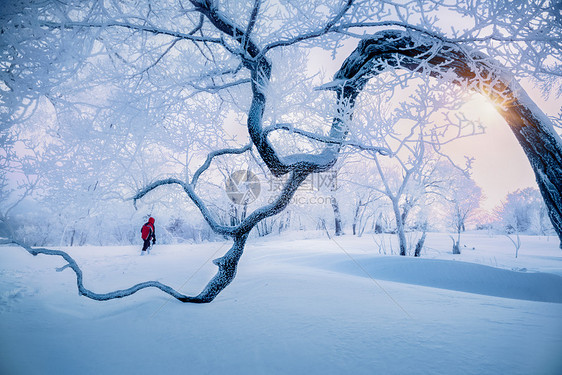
[321, 138]
[251, 23]
[217, 88]
[153, 30]
[207, 214]
[83, 291]
[214, 154]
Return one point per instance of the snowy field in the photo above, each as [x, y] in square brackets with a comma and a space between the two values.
[301, 304]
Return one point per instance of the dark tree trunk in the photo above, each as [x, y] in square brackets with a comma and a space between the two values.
[356, 217]
[377, 224]
[456, 248]
[227, 271]
[532, 128]
[419, 245]
[543, 149]
[457, 243]
[337, 216]
[399, 228]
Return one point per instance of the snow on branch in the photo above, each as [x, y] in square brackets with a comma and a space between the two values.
[298, 175]
[189, 188]
[251, 23]
[216, 88]
[190, 191]
[152, 30]
[327, 28]
[83, 291]
[214, 154]
[324, 139]
[343, 28]
[225, 25]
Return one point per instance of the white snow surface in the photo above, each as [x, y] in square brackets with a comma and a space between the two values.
[300, 304]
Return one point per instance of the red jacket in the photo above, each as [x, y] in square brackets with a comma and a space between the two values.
[147, 231]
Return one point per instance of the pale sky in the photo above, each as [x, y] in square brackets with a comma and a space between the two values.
[500, 165]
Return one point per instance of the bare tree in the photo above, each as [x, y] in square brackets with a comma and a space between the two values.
[462, 198]
[407, 188]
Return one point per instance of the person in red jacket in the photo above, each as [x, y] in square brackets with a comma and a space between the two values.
[147, 234]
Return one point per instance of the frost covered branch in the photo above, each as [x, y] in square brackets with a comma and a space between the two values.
[216, 88]
[323, 139]
[214, 154]
[83, 291]
[149, 29]
[190, 191]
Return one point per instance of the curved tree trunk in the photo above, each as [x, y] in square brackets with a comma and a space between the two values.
[532, 128]
[227, 265]
[541, 144]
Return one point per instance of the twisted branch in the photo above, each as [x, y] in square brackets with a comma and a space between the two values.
[83, 291]
[321, 138]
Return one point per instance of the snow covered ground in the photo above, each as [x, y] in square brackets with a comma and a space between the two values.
[301, 304]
